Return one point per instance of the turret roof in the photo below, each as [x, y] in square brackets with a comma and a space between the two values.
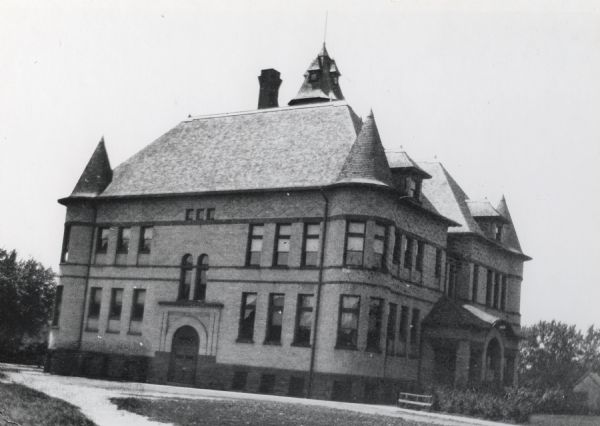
[97, 174]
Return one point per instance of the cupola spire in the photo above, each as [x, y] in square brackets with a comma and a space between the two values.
[97, 174]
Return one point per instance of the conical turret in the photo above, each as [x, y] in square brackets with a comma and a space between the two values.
[96, 176]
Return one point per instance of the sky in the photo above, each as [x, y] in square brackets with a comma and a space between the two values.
[506, 94]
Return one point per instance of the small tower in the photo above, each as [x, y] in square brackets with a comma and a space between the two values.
[321, 81]
[96, 176]
[269, 81]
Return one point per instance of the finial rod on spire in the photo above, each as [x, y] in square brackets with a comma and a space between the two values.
[325, 30]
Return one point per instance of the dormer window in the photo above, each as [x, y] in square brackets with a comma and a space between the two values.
[335, 80]
[313, 76]
[412, 187]
[498, 232]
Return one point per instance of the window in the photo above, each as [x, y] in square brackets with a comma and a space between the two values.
[185, 280]
[255, 245]
[247, 315]
[348, 321]
[116, 303]
[296, 386]
[497, 290]
[379, 243]
[313, 76]
[123, 237]
[267, 383]
[489, 287]
[57, 305]
[239, 380]
[451, 290]
[304, 316]
[498, 232]
[504, 293]
[408, 253]
[95, 301]
[414, 330]
[475, 285]
[391, 329]
[137, 307]
[403, 329]
[210, 214]
[410, 186]
[438, 263]
[374, 330]
[282, 244]
[420, 255]
[200, 291]
[355, 243]
[199, 214]
[275, 319]
[397, 247]
[146, 234]
[189, 214]
[102, 239]
[310, 255]
[64, 253]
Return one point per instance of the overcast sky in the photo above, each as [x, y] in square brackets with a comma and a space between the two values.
[505, 94]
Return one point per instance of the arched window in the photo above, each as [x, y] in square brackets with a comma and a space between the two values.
[185, 282]
[200, 293]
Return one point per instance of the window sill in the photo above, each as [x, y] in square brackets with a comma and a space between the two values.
[280, 267]
[143, 252]
[373, 350]
[253, 266]
[54, 327]
[113, 332]
[346, 348]
[272, 343]
[131, 333]
[122, 252]
[309, 266]
[301, 345]
[91, 330]
[244, 340]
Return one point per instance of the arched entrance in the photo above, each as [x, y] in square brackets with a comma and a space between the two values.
[184, 355]
[493, 362]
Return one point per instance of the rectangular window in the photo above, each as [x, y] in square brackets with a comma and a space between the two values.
[137, 307]
[391, 329]
[503, 294]
[348, 321]
[489, 287]
[379, 243]
[210, 214]
[438, 263]
[414, 330]
[355, 243]
[95, 301]
[146, 235]
[498, 232]
[123, 237]
[64, 254]
[102, 239]
[239, 380]
[267, 383]
[403, 330]
[282, 244]
[189, 214]
[374, 326]
[310, 254]
[296, 386]
[397, 247]
[420, 256]
[408, 253]
[304, 317]
[452, 273]
[116, 303]
[199, 214]
[275, 319]
[57, 305]
[497, 290]
[247, 316]
[475, 285]
[255, 244]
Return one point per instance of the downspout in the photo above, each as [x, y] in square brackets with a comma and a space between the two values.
[87, 276]
[318, 299]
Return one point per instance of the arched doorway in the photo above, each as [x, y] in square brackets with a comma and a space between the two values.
[184, 355]
[493, 362]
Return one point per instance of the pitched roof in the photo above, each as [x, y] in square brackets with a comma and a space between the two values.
[510, 235]
[448, 198]
[484, 209]
[367, 161]
[96, 175]
[448, 313]
[302, 146]
[402, 161]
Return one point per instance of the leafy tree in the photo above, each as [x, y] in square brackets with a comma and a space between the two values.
[26, 297]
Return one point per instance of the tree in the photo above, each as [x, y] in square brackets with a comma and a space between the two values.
[26, 296]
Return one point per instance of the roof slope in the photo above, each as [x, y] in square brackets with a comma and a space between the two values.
[484, 209]
[510, 235]
[401, 160]
[96, 175]
[285, 147]
[448, 198]
[448, 313]
[367, 161]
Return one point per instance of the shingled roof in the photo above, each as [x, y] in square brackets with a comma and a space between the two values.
[510, 234]
[367, 161]
[96, 176]
[400, 160]
[288, 147]
[485, 210]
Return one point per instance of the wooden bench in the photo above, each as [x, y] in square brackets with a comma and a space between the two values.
[413, 400]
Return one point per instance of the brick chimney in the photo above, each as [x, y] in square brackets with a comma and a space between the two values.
[269, 88]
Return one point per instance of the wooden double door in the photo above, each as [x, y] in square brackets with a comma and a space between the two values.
[184, 356]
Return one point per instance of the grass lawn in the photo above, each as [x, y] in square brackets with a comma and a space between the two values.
[563, 420]
[186, 412]
[22, 406]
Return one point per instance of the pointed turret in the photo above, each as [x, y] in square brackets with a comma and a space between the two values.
[510, 235]
[97, 174]
[366, 161]
[321, 81]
